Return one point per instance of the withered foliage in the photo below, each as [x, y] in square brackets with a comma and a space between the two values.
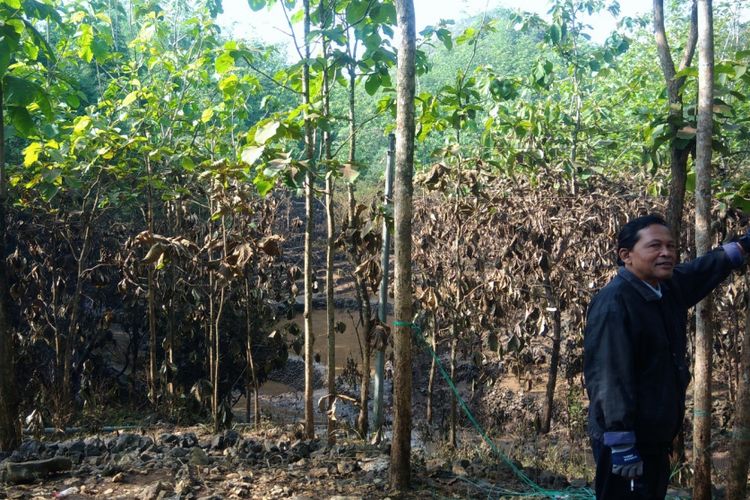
[532, 255]
[193, 253]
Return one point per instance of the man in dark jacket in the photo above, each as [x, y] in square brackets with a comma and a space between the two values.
[635, 355]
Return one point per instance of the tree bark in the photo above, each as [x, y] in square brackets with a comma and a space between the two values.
[152, 389]
[704, 326]
[400, 468]
[678, 156]
[309, 225]
[251, 382]
[740, 447]
[554, 361]
[364, 387]
[10, 431]
[331, 235]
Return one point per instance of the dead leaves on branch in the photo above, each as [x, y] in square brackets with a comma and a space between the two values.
[524, 249]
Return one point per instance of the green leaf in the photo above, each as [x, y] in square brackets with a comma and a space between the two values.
[224, 63]
[263, 185]
[690, 71]
[252, 154]
[72, 100]
[20, 92]
[81, 124]
[356, 11]
[207, 115]
[554, 33]
[85, 38]
[31, 153]
[229, 84]
[21, 120]
[130, 99]
[266, 132]
[187, 164]
[372, 84]
[13, 4]
[256, 5]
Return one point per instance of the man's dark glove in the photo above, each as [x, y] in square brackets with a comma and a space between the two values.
[626, 461]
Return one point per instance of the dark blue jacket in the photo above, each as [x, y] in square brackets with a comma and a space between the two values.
[635, 350]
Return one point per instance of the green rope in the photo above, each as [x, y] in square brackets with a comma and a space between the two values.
[538, 491]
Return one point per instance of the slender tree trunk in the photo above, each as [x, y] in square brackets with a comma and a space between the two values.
[309, 225]
[331, 236]
[10, 431]
[71, 337]
[400, 468]
[431, 379]
[549, 398]
[740, 447]
[364, 388]
[171, 338]
[678, 157]
[251, 384]
[704, 326]
[152, 389]
[453, 421]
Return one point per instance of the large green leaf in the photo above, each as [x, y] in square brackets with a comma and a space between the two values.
[266, 132]
[372, 84]
[85, 39]
[224, 63]
[20, 92]
[356, 11]
[13, 4]
[31, 153]
[21, 120]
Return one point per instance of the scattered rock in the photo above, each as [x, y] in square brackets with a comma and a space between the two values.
[198, 457]
[24, 472]
[152, 492]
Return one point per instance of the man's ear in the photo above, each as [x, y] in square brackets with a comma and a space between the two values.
[624, 254]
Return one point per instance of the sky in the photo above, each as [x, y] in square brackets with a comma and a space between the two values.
[271, 26]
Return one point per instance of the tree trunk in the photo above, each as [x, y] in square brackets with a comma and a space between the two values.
[554, 361]
[10, 431]
[400, 468]
[152, 389]
[309, 225]
[364, 388]
[431, 379]
[453, 420]
[740, 447]
[331, 236]
[251, 384]
[678, 157]
[704, 326]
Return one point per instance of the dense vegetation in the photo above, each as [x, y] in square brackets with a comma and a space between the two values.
[152, 173]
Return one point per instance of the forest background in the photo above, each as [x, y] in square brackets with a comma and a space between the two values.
[159, 175]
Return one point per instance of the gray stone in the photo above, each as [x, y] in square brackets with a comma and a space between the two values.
[93, 446]
[231, 437]
[199, 457]
[125, 442]
[178, 452]
[152, 492]
[188, 440]
[168, 439]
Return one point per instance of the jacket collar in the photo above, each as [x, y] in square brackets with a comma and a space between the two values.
[644, 290]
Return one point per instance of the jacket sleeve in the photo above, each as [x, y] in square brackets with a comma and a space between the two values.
[609, 366]
[697, 278]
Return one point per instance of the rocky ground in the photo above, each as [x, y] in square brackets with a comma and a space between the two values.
[194, 464]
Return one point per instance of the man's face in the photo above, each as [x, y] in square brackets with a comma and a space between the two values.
[653, 257]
